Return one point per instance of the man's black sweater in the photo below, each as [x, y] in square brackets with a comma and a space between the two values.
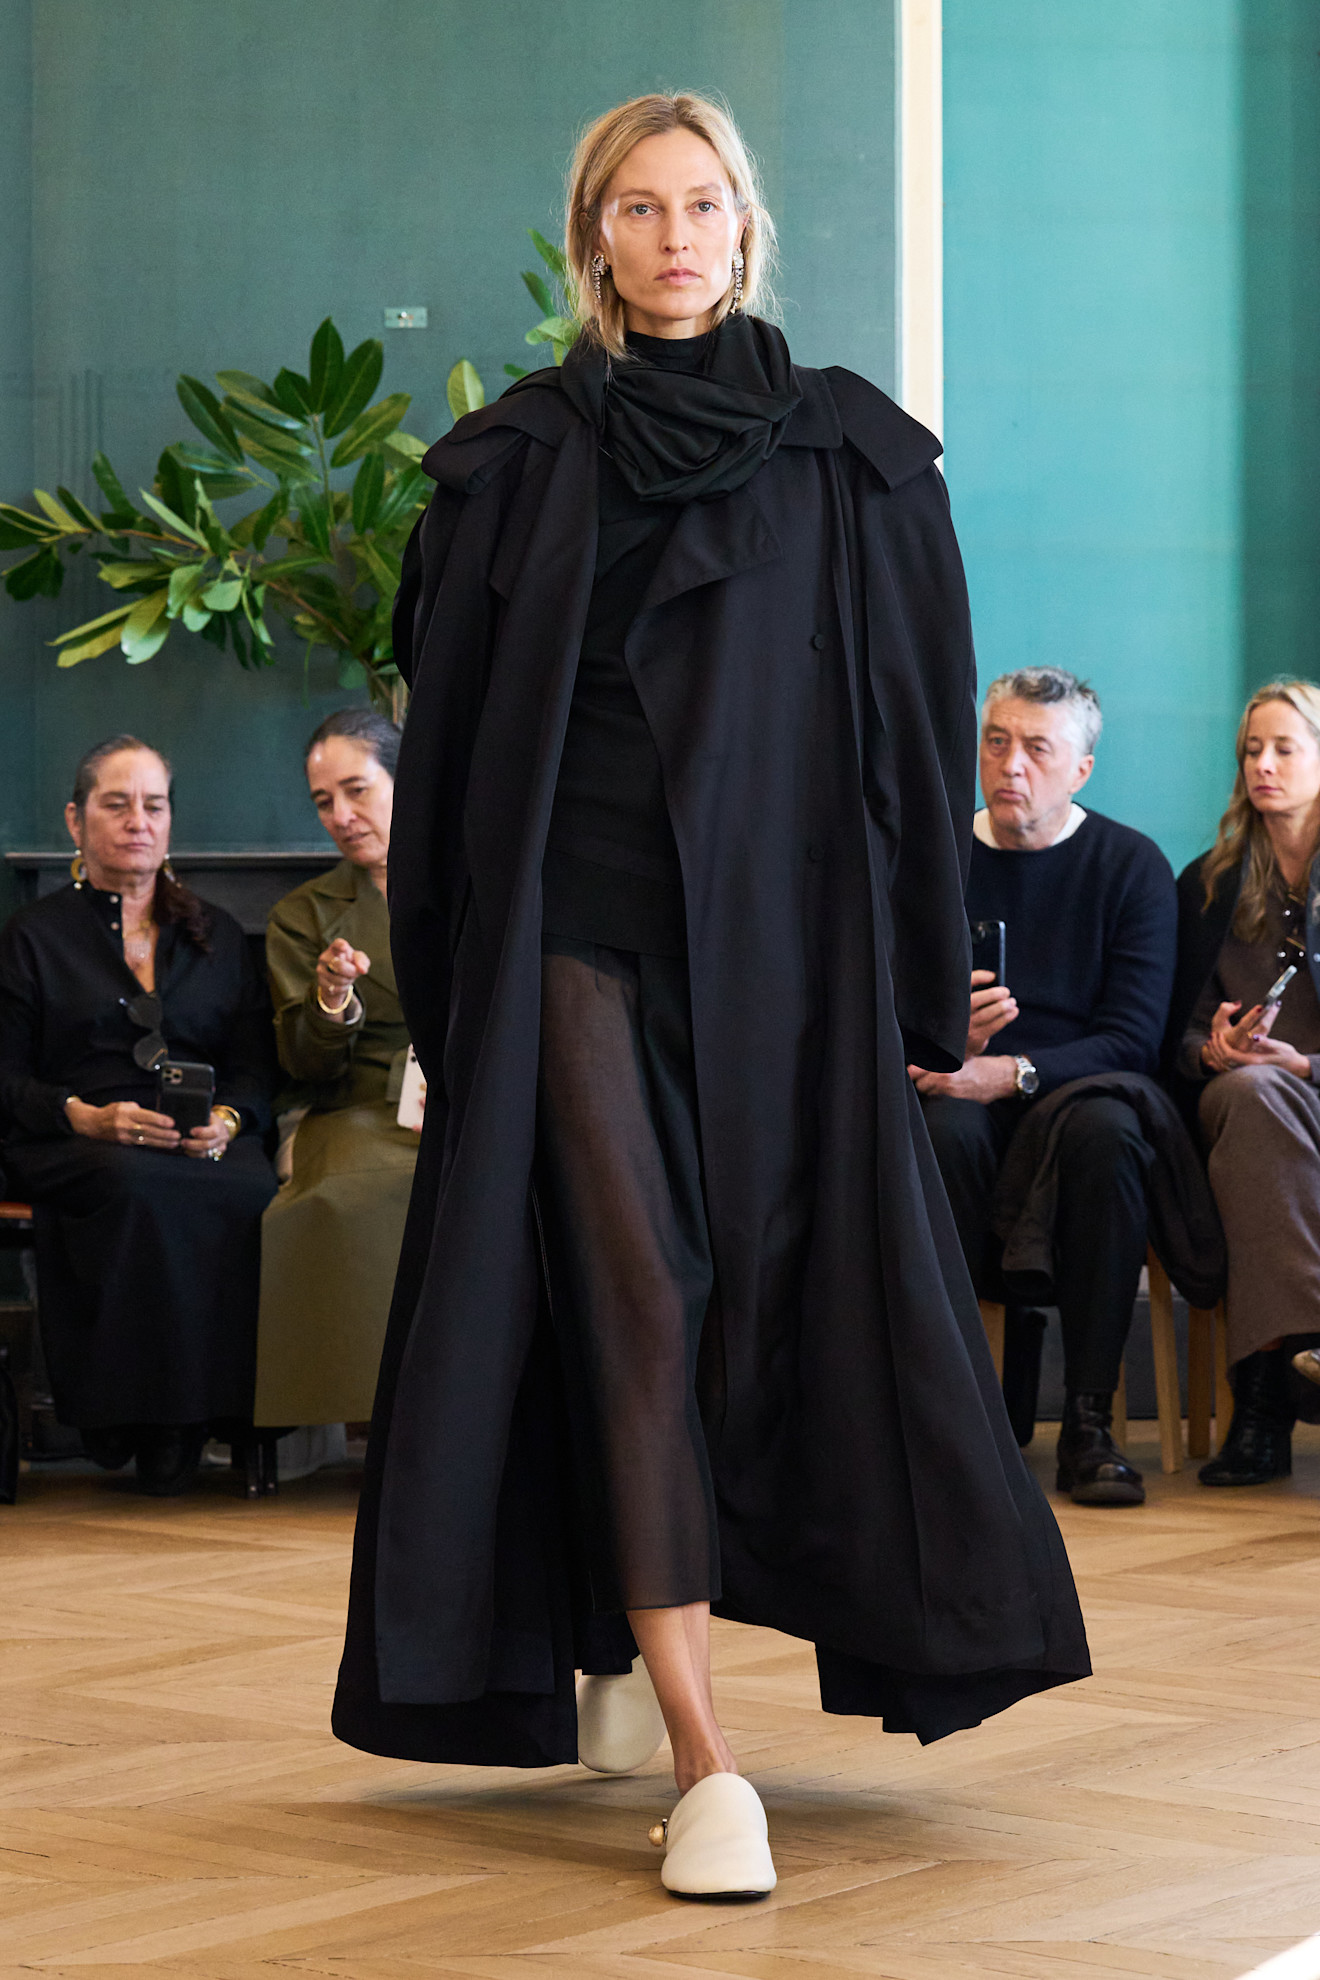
[1090, 936]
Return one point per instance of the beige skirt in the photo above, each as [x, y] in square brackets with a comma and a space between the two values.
[1262, 1127]
[329, 1252]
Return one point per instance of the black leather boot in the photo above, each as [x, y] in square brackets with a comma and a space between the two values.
[1091, 1467]
[110, 1448]
[168, 1458]
[1258, 1446]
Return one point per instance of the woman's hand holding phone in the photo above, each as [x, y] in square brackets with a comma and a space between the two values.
[1246, 1041]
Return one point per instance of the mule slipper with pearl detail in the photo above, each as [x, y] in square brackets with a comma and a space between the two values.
[716, 1842]
[619, 1721]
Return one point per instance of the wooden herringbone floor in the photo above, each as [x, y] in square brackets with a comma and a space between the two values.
[172, 1801]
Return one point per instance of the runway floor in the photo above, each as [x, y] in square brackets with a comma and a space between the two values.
[172, 1801]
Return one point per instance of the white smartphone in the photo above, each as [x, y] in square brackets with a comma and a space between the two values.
[1274, 995]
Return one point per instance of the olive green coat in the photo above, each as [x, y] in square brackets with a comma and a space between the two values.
[331, 1237]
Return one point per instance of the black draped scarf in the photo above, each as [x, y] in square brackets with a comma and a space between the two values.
[676, 436]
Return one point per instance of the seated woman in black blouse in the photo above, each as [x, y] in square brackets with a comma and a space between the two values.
[147, 1239]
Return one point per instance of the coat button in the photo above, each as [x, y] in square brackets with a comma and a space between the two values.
[114, 924]
[818, 641]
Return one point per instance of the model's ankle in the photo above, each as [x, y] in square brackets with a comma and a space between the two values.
[695, 1763]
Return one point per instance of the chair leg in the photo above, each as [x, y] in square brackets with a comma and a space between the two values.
[1120, 1429]
[992, 1319]
[1164, 1347]
[1200, 1379]
[268, 1462]
[1223, 1393]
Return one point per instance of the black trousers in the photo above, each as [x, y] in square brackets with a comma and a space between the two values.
[628, 1249]
[1100, 1231]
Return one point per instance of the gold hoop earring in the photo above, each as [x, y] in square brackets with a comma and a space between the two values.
[78, 868]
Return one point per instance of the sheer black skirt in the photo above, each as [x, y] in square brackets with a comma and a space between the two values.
[628, 1251]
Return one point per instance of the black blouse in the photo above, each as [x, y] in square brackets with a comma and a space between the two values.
[64, 1024]
[611, 871]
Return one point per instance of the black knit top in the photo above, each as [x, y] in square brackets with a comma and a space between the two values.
[611, 871]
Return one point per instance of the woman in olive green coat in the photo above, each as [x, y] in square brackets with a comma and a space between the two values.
[331, 1237]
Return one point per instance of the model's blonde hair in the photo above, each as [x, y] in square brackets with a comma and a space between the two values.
[601, 150]
[1242, 834]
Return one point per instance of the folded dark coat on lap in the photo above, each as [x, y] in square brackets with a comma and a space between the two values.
[803, 656]
[1184, 1224]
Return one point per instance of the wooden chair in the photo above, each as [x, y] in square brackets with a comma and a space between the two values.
[1208, 1393]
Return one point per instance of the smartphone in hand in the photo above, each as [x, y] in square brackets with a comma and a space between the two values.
[988, 950]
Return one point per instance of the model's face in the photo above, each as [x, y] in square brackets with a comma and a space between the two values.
[354, 798]
[124, 830]
[1031, 764]
[1281, 764]
[669, 225]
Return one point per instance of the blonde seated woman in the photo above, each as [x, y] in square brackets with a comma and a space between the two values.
[331, 1237]
[1249, 911]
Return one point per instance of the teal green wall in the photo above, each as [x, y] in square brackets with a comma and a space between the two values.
[197, 185]
[1132, 365]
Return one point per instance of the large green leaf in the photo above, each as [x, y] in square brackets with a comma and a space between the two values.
[255, 399]
[145, 629]
[265, 519]
[203, 409]
[185, 581]
[38, 576]
[539, 291]
[276, 440]
[19, 531]
[138, 570]
[223, 595]
[281, 568]
[327, 364]
[97, 636]
[58, 514]
[109, 484]
[357, 381]
[554, 258]
[175, 487]
[80, 510]
[464, 389]
[293, 392]
[406, 446]
[384, 568]
[173, 520]
[370, 428]
[553, 330]
[368, 488]
[196, 618]
[314, 518]
[115, 616]
[406, 492]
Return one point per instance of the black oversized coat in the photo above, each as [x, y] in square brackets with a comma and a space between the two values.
[804, 659]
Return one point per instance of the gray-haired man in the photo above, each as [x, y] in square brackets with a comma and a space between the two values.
[1090, 921]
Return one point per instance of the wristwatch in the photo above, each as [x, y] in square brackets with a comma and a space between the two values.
[1027, 1081]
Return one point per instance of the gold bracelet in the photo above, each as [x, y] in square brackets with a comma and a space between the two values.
[334, 1010]
[232, 1120]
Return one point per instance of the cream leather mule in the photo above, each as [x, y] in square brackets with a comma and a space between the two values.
[619, 1721]
[716, 1841]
